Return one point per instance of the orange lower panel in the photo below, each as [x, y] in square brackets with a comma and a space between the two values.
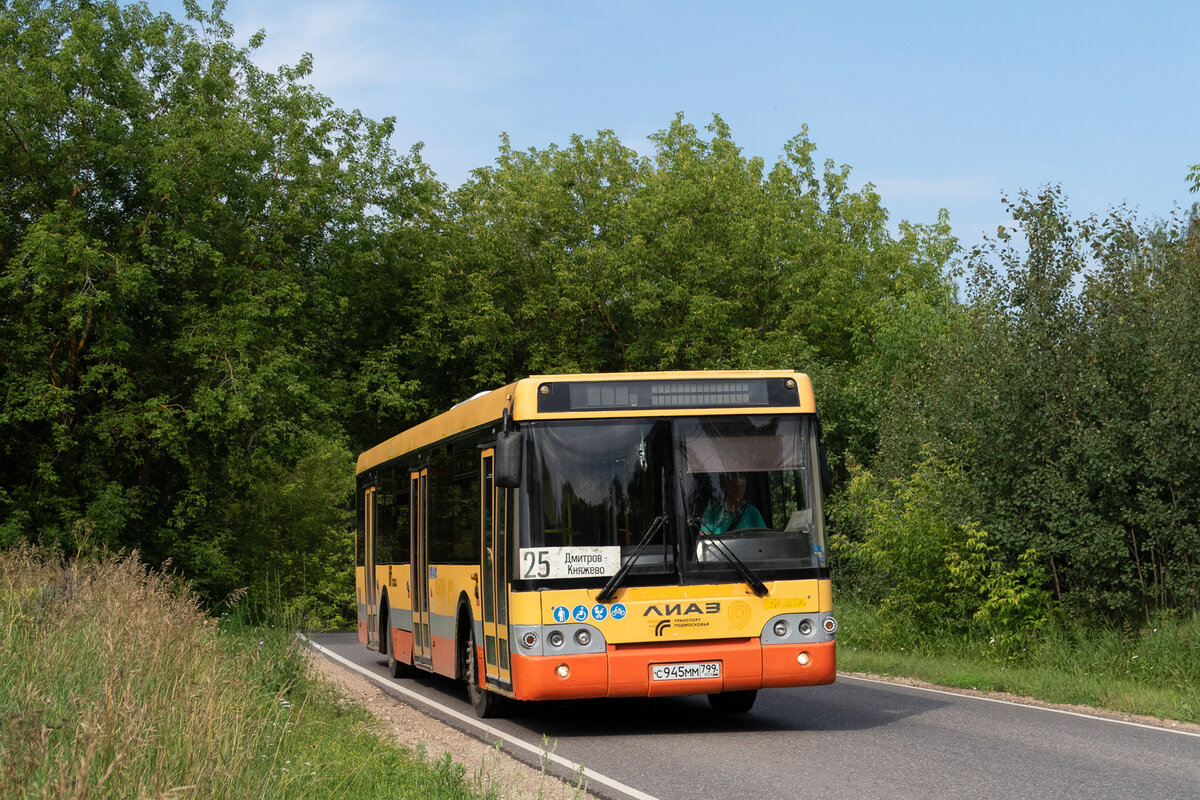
[444, 661]
[781, 667]
[402, 645]
[362, 632]
[625, 671]
[534, 677]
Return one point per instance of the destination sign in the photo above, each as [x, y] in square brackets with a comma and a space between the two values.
[556, 563]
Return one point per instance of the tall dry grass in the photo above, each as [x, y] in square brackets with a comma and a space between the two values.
[114, 683]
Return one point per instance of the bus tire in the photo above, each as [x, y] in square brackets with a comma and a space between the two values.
[733, 702]
[486, 704]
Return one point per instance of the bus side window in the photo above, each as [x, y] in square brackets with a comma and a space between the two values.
[441, 518]
[453, 506]
[391, 523]
[402, 543]
[466, 492]
[385, 516]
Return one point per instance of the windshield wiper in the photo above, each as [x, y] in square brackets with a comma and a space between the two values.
[746, 574]
[610, 588]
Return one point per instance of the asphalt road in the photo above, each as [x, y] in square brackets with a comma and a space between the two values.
[856, 740]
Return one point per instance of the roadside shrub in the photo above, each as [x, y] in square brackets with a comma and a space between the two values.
[907, 549]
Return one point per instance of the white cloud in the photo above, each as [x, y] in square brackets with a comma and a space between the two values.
[363, 50]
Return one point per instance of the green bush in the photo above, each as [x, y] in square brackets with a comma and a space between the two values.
[905, 548]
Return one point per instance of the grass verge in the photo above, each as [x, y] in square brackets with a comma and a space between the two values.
[113, 683]
[1154, 671]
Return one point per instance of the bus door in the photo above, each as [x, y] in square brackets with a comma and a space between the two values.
[419, 530]
[493, 559]
[370, 584]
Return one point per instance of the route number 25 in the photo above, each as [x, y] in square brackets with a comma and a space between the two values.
[536, 564]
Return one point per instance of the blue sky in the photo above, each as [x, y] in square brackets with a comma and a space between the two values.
[937, 104]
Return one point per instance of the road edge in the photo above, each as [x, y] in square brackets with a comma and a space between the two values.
[1139, 720]
[491, 734]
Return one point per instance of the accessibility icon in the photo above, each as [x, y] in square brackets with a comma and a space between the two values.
[561, 614]
[579, 613]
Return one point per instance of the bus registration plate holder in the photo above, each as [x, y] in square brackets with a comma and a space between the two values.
[691, 670]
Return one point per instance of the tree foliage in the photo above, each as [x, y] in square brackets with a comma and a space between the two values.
[1068, 393]
[591, 257]
[178, 227]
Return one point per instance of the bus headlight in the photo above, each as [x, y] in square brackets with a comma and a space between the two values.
[583, 637]
[529, 640]
[781, 628]
[805, 627]
[562, 671]
[803, 658]
[555, 638]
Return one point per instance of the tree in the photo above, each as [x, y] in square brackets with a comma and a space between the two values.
[590, 257]
[1067, 393]
[178, 227]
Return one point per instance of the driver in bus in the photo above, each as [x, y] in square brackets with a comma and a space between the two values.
[730, 511]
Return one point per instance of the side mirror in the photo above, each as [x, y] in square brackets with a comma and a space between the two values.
[508, 459]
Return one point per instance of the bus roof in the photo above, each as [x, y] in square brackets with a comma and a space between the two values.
[521, 398]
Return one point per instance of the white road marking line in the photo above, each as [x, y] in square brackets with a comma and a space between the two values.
[576, 769]
[842, 677]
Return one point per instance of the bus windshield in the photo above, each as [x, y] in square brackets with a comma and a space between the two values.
[601, 485]
[749, 488]
[735, 493]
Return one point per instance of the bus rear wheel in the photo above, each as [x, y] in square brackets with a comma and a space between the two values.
[733, 702]
[486, 704]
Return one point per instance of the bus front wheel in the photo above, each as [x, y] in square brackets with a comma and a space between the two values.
[733, 702]
[486, 704]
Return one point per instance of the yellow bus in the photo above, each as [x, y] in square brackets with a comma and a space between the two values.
[609, 535]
